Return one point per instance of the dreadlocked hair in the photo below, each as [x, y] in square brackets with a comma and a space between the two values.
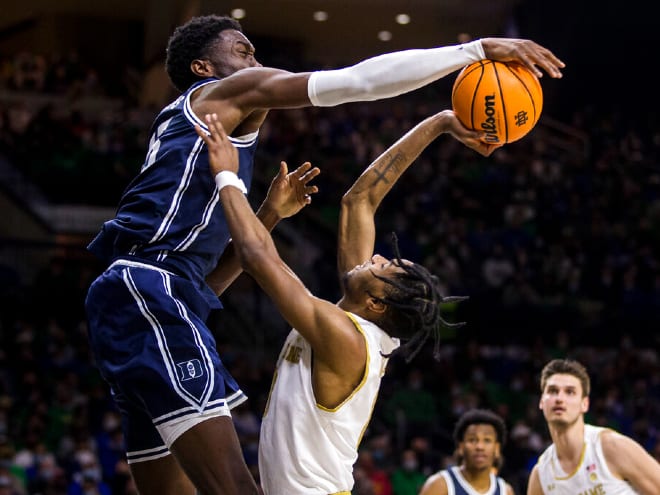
[191, 41]
[413, 302]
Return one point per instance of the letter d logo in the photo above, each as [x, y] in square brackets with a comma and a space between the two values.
[189, 369]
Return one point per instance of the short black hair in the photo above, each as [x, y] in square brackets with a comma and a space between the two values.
[191, 41]
[480, 417]
[413, 299]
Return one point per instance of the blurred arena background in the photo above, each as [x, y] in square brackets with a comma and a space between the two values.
[556, 238]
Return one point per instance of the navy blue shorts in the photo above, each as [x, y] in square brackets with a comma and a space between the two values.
[150, 341]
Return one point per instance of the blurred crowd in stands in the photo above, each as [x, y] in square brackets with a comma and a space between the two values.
[556, 239]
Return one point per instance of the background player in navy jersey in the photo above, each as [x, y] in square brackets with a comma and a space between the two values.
[147, 312]
[479, 436]
[330, 368]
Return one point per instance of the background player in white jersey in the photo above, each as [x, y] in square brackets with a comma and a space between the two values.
[330, 367]
[147, 313]
[585, 459]
[479, 436]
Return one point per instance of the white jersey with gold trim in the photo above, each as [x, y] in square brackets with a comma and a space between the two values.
[304, 448]
[592, 475]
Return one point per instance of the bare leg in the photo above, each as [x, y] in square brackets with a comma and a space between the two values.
[161, 476]
[211, 455]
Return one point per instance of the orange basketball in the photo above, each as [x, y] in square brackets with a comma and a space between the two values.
[504, 99]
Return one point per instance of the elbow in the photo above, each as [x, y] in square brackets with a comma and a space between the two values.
[253, 254]
[357, 201]
[216, 288]
[347, 204]
[351, 199]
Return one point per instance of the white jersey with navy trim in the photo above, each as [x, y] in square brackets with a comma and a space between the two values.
[172, 206]
[591, 476]
[458, 485]
[304, 448]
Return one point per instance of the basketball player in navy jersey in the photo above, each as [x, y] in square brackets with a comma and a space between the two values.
[479, 435]
[147, 312]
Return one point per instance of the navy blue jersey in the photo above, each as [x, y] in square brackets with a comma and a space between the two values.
[458, 485]
[170, 215]
[147, 312]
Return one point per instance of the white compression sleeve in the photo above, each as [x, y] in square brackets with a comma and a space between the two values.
[391, 74]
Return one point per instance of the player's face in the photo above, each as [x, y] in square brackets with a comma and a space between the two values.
[231, 53]
[562, 401]
[364, 277]
[363, 280]
[479, 448]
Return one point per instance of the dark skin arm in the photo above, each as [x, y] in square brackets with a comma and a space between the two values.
[327, 328]
[339, 349]
[357, 230]
[247, 90]
[287, 195]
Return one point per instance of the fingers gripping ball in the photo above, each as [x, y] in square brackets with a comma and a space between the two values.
[503, 99]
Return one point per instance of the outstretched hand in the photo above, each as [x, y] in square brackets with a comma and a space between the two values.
[471, 139]
[290, 192]
[527, 52]
[222, 153]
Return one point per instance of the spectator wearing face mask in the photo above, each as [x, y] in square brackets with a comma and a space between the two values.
[407, 479]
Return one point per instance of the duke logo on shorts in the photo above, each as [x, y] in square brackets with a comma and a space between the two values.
[190, 369]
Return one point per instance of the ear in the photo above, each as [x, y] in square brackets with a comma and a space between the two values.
[202, 68]
[585, 404]
[375, 305]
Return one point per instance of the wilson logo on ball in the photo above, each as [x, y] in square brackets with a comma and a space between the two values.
[503, 99]
[490, 124]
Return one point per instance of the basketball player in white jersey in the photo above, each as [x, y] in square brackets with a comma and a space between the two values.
[585, 459]
[330, 367]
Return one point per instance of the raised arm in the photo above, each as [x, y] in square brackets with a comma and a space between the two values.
[327, 328]
[383, 76]
[357, 231]
[396, 73]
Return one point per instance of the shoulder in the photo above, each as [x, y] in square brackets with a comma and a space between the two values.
[611, 440]
[617, 447]
[618, 450]
[435, 485]
[534, 484]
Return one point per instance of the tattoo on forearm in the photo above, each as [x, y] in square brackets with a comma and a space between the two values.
[391, 164]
